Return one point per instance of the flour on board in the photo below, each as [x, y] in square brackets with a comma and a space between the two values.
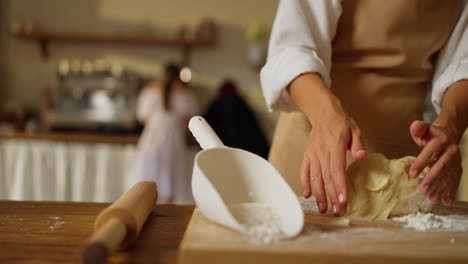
[416, 221]
[430, 221]
[261, 223]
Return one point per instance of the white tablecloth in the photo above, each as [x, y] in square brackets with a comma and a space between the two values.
[62, 171]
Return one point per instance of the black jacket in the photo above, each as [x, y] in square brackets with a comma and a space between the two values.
[235, 123]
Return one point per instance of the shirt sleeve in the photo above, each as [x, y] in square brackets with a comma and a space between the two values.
[300, 42]
[452, 65]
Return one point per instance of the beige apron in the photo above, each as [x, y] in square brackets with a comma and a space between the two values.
[383, 61]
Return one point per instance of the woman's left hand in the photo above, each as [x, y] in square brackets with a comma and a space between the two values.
[441, 153]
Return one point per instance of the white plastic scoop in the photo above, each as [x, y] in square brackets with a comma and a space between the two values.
[224, 176]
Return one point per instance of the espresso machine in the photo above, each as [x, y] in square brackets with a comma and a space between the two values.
[93, 96]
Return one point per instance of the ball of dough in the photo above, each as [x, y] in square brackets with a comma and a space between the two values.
[379, 188]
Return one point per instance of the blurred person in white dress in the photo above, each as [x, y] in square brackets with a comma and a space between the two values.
[164, 108]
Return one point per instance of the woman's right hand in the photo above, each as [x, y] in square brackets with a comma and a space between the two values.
[323, 169]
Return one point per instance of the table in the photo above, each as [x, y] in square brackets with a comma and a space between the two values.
[325, 240]
[45, 232]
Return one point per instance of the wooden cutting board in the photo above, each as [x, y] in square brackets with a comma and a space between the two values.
[325, 241]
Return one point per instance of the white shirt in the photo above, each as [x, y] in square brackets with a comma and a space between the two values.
[301, 42]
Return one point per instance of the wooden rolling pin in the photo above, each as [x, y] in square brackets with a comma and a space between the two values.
[118, 225]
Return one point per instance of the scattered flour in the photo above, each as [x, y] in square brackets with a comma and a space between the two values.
[430, 221]
[308, 205]
[262, 224]
[417, 221]
[55, 222]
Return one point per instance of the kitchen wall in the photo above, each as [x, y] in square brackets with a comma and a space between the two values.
[27, 73]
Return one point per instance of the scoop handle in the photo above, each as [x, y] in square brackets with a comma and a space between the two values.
[203, 133]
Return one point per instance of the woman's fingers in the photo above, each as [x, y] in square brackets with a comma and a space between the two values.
[357, 144]
[419, 131]
[446, 198]
[311, 176]
[442, 188]
[326, 153]
[428, 155]
[436, 190]
[451, 191]
[329, 183]
[425, 186]
[452, 181]
[442, 156]
[337, 169]
[447, 194]
[305, 176]
[318, 188]
[434, 198]
[439, 169]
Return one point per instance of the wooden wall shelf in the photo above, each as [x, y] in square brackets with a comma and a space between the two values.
[72, 137]
[44, 38]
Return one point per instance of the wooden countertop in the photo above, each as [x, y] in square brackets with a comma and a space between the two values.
[45, 232]
[74, 137]
[325, 240]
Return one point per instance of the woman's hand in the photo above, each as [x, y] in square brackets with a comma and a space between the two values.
[440, 146]
[441, 153]
[333, 133]
[324, 164]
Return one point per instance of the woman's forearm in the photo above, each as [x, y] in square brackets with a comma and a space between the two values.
[312, 96]
[454, 113]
